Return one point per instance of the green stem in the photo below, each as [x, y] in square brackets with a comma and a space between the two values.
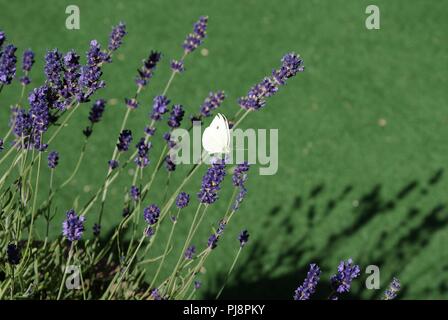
[70, 255]
[186, 244]
[165, 252]
[228, 273]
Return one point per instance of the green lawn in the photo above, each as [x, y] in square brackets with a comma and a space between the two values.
[362, 154]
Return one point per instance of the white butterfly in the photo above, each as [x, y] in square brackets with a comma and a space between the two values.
[216, 137]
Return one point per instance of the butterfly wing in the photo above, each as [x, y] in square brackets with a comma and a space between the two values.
[216, 137]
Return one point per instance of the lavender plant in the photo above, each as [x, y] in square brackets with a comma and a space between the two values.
[112, 267]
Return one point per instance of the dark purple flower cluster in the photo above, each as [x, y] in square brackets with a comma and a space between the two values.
[342, 281]
[197, 284]
[8, 62]
[1, 144]
[239, 198]
[170, 165]
[391, 292]
[170, 143]
[53, 159]
[211, 182]
[212, 102]
[151, 214]
[308, 287]
[195, 38]
[238, 179]
[243, 238]
[146, 72]
[30, 126]
[124, 140]
[70, 89]
[96, 229]
[27, 63]
[97, 110]
[150, 131]
[113, 164]
[176, 116]
[189, 253]
[134, 192]
[177, 66]
[143, 147]
[13, 254]
[212, 241]
[221, 226]
[182, 200]
[240, 174]
[73, 226]
[160, 107]
[90, 75]
[256, 97]
[53, 68]
[116, 36]
[131, 103]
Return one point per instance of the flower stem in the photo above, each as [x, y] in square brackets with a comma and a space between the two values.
[228, 273]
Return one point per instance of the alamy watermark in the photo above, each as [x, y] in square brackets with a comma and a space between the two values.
[254, 146]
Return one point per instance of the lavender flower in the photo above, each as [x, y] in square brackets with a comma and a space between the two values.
[116, 36]
[197, 284]
[96, 229]
[53, 159]
[97, 110]
[221, 226]
[131, 103]
[147, 70]
[155, 295]
[195, 38]
[53, 68]
[256, 97]
[90, 76]
[160, 107]
[239, 174]
[134, 192]
[142, 156]
[391, 292]
[71, 89]
[150, 131]
[341, 281]
[243, 238]
[113, 164]
[151, 214]
[169, 164]
[211, 183]
[149, 232]
[8, 62]
[73, 226]
[177, 66]
[308, 287]
[189, 253]
[212, 102]
[212, 241]
[124, 140]
[13, 253]
[182, 200]
[239, 198]
[27, 63]
[176, 116]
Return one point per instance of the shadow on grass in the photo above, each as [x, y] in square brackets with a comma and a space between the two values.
[395, 246]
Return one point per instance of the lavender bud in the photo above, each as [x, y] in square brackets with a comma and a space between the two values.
[53, 159]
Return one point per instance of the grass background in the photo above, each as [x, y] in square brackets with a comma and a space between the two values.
[362, 148]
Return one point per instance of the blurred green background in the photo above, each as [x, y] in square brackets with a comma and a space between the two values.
[362, 153]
